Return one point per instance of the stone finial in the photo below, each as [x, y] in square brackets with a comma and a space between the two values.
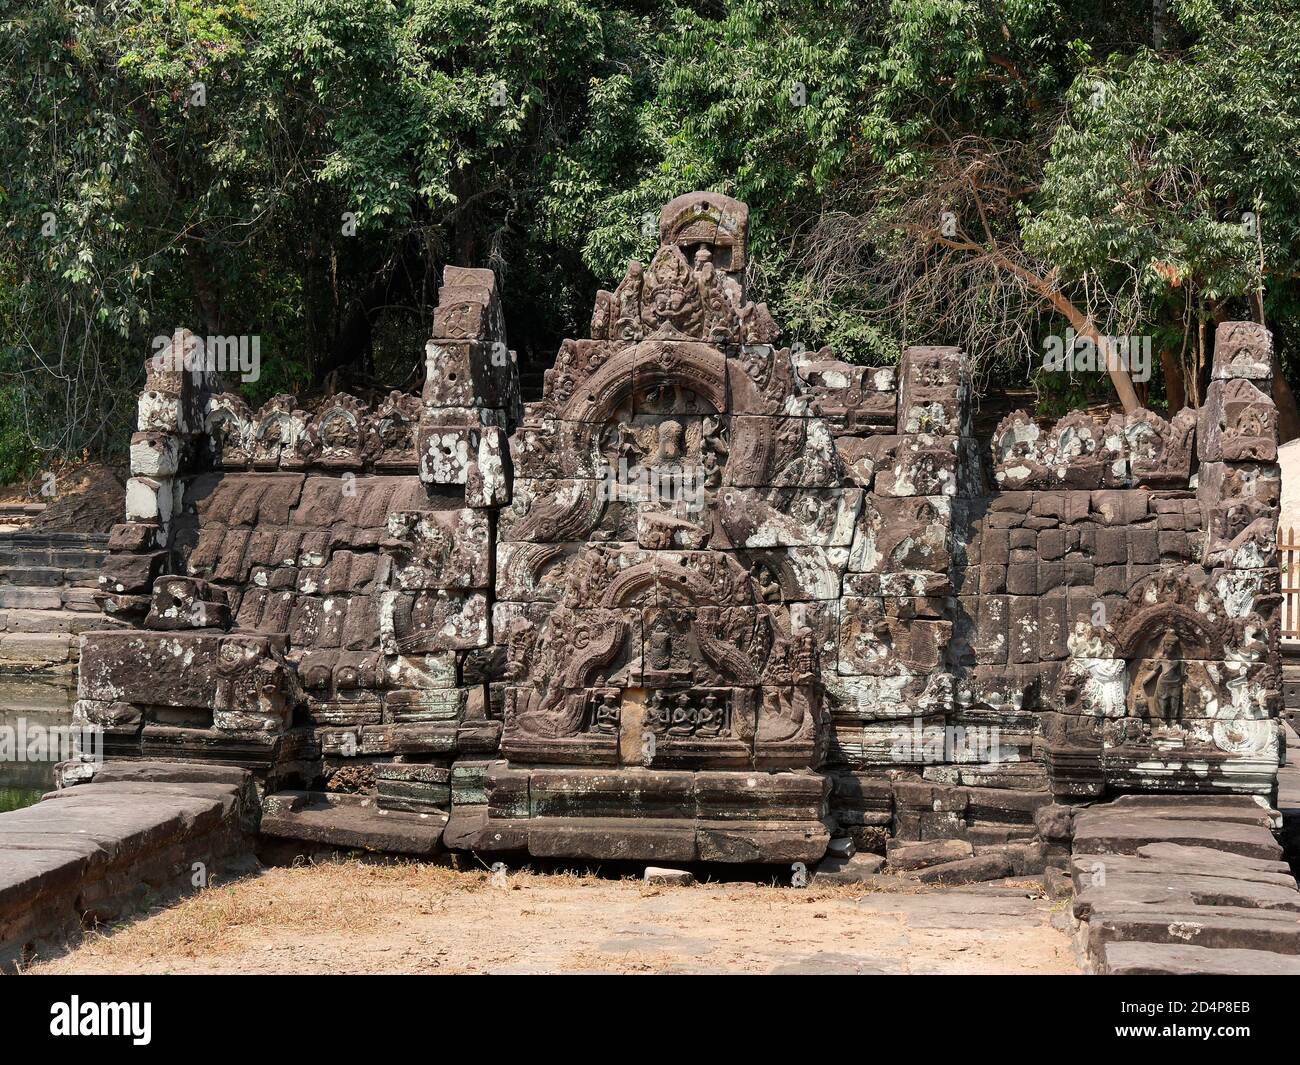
[1242, 349]
[709, 219]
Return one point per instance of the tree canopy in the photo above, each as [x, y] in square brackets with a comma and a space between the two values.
[988, 172]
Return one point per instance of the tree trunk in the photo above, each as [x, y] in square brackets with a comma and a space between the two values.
[1288, 416]
[1084, 327]
[205, 290]
[1119, 376]
[1159, 18]
[1175, 385]
[353, 343]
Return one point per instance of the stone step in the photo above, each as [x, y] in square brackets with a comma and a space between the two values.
[1131, 886]
[22, 598]
[1212, 927]
[49, 577]
[80, 599]
[20, 511]
[350, 821]
[1175, 804]
[62, 557]
[37, 693]
[18, 557]
[36, 648]
[1124, 835]
[657, 839]
[33, 577]
[1178, 959]
[27, 538]
[78, 577]
[55, 621]
[1144, 874]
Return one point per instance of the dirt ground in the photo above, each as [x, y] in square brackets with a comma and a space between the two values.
[80, 496]
[345, 916]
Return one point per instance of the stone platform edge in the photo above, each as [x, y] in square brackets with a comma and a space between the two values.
[128, 837]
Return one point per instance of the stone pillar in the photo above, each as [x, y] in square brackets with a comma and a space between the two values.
[169, 419]
[1239, 491]
[471, 391]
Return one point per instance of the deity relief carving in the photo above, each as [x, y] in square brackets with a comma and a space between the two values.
[339, 432]
[690, 631]
[691, 288]
[1156, 692]
[229, 427]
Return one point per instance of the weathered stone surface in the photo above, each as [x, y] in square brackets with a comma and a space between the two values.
[351, 822]
[661, 877]
[1125, 835]
[855, 869]
[973, 870]
[95, 852]
[1179, 959]
[906, 857]
[1242, 350]
[1239, 423]
[734, 596]
[1215, 884]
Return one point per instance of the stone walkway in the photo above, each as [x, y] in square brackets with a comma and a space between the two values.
[138, 834]
[1183, 884]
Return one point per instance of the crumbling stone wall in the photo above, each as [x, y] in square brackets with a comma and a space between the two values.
[708, 598]
[1128, 595]
[309, 592]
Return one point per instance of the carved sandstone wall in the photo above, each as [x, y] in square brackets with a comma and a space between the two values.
[708, 598]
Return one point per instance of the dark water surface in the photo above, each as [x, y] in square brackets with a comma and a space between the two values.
[37, 703]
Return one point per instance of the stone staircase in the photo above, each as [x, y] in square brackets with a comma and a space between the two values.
[15, 516]
[47, 585]
[1184, 884]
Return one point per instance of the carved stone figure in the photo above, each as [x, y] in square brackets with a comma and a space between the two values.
[1158, 683]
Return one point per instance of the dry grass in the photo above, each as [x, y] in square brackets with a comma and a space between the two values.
[337, 895]
[348, 915]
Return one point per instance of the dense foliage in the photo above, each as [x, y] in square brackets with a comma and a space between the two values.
[982, 171]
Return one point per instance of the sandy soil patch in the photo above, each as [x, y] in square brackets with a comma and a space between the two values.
[347, 916]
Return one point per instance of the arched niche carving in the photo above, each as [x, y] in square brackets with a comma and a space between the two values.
[653, 363]
[1143, 632]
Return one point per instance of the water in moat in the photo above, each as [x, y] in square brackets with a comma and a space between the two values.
[27, 704]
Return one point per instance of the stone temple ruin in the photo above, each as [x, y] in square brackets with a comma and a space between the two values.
[708, 599]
